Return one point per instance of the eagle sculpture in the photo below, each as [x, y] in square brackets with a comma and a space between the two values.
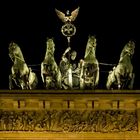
[68, 17]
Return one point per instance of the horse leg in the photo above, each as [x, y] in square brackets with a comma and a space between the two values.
[118, 80]
[35, 82]
[24, 82]
[70, 78]
[27, 84]
[108, 84]
[59, 84]
[110, 80]
[46, 82]
[10, 82]
[81, 83]
[130, 86]
[97, 78]
[42, 72]
[22, 85]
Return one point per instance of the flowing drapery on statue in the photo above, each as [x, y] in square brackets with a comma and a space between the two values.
[50, 72]
[89, 75]
[21, 76]
[69, 70]
[122, 76]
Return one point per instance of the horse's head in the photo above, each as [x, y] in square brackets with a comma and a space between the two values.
[90, 47]
[129, 48]
[50, 46]
[14, 51]
[91, 41]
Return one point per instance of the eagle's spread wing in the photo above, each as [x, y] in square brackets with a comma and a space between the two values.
[74, 14]
[60, 14]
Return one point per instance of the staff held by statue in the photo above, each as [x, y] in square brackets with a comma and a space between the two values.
[68, 30]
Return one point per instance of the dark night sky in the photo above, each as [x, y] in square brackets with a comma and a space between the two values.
[28, 24]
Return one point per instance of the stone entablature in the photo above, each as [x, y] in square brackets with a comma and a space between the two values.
[65, 99]
[76, 112]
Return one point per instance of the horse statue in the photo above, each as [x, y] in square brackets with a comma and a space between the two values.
[21, 76]
[50, 72]
[122, 75]
[69, 70]
[89, 75]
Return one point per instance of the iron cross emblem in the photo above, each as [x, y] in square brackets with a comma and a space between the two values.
[68, 30]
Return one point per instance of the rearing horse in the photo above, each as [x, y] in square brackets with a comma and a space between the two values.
[89, 77]
[122, 76]
[21, 76]
[50, 72]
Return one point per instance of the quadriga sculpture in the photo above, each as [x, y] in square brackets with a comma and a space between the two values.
[122, 76]
[50, 73]
[89, 77]
[21, 76]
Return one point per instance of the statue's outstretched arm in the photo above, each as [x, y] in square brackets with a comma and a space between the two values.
[66, 51]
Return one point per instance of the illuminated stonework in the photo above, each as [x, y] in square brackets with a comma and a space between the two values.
[69, 121]
[69, 114]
